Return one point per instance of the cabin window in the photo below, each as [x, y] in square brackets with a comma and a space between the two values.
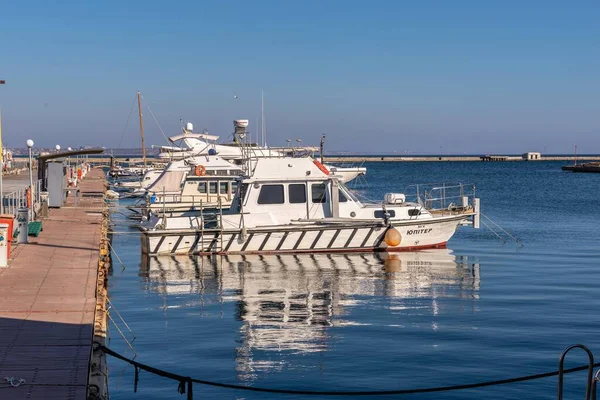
[297, 193]
[223, 187]
[271, 194]
[343, 198]
[234, 186]
[202, 187]
[379, 213]
[212, 187]
[318, 192]
[413, 212]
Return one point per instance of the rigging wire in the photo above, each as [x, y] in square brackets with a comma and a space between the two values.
[155, 120]
[127, 123]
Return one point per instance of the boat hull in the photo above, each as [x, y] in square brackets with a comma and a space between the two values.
[313, 238]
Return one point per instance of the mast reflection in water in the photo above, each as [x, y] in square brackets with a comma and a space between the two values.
[289, 303]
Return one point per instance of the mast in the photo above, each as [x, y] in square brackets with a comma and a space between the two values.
[321, 150]
[263, 126]
[141, 127]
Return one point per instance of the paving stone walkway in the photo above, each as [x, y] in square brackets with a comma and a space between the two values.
[47, 302]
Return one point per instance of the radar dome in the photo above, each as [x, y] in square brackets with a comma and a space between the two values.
[240, 123]
[189, 126]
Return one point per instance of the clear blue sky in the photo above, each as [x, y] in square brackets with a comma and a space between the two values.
[377, 76]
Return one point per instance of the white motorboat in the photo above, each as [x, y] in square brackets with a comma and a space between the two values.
[198, 183]
[149, 177]
[293, 205]
[195, 144]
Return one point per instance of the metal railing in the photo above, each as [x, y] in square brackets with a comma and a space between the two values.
[18, 199]
[442, 196]
[171, 200]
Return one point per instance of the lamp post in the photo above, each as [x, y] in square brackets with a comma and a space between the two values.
[2, 82]
[69, 163]
[29, 144]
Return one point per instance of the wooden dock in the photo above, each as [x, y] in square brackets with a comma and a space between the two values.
[48, 302]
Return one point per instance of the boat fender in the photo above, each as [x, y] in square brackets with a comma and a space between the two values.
[392, 237]
[200, 170]
[321, 167]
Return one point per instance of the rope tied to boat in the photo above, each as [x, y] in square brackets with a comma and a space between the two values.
[186, 383]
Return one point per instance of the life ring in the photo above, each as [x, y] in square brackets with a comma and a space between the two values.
[321, 167]
[200, 170]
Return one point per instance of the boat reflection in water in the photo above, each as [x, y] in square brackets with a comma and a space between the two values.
[287, 303]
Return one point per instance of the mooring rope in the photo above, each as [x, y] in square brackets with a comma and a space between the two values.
[187, 381]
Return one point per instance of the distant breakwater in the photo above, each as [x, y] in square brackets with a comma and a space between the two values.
[498, 158]
[361, 159]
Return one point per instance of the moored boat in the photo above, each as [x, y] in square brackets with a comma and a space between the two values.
[195, 144]
[293, 205]
[586, 167]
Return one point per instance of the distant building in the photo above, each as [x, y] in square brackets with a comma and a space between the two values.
[532, 156]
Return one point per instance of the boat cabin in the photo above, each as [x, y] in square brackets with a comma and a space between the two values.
[282, 190]
[204, 184]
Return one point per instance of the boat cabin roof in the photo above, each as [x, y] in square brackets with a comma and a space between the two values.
[190, 135]
[287, 169]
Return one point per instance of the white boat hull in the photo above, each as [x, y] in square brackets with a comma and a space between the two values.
[368, 236]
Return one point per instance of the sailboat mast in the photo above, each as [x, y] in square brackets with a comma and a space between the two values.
[139, 98]
[262, 119]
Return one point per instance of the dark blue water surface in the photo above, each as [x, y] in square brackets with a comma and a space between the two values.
[481, 310]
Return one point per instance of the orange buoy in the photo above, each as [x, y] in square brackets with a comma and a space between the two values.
[200, 170]
[321, 167]
[392, 237]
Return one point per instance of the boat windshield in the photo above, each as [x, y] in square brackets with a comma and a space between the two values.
[240, 194]
[348, 193]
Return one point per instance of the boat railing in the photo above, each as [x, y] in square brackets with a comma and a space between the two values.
[441, 196]
[187, 201]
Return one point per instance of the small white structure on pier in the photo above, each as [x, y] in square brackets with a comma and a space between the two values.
[532, 156]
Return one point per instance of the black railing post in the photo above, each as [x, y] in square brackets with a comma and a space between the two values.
[561, 364]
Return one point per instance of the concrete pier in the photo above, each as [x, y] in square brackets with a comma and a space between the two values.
[48, 296]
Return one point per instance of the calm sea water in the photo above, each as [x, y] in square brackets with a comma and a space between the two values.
[480, 310]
